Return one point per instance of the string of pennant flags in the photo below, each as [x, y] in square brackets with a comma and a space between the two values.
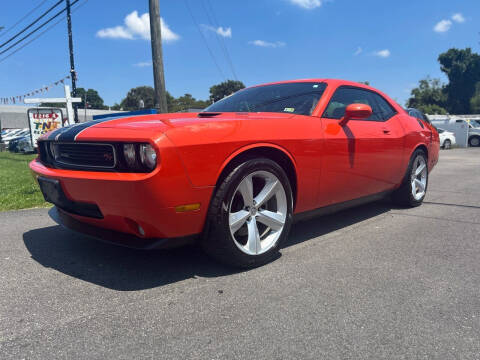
[19, 98]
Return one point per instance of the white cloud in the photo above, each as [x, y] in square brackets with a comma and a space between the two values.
[458, 17]
[442, 26]
[263, 43]
[143, 64]
[358, 51]
[137, 27]
[117, 32]
[225, 32]
[382, 53]
[307, 4]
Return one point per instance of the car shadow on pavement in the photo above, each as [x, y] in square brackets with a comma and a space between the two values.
[126, 269]
[322, 225]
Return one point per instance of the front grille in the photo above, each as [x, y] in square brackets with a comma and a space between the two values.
[78, 155]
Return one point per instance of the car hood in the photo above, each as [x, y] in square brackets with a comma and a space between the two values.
[152, 126]
[164, 122]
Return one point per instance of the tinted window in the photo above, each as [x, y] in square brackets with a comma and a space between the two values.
[425, 118]
[385, 109]
[294, 98]
[418, 114]
[345, 96]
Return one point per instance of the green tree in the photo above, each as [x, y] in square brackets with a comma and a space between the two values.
[146, 93]
[132, 100]
[219, 91]
[186, 102]
[475, 100]
[94, 101]
[116, 106]
[462, 67]
[429, 97]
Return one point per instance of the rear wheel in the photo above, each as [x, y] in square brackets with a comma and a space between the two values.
[250, 215]
[474, 141]
[447, 144]
[414, 186]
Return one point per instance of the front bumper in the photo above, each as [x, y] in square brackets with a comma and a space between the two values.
[115, 237]
[139, 205]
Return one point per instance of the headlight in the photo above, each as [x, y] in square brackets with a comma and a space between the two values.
[130, 154]
[148, 156]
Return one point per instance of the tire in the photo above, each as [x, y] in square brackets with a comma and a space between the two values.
[233, 216]
[406, 194]
[474, 141]
[447, 144]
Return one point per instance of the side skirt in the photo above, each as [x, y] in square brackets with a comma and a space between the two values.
[331, 209]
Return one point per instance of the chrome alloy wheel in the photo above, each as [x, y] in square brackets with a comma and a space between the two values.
[258, 212]
[418, 177]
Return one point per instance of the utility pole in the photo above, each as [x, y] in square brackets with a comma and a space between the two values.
[157, 57]
[85, 101]
[73, 74]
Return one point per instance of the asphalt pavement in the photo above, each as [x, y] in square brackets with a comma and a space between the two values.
[373, 282]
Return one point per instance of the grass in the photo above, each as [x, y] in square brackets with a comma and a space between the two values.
[18, 189]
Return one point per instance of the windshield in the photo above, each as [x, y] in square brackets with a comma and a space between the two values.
[293, 98]
[475, 123]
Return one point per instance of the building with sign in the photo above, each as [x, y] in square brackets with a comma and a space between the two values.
[15, 116]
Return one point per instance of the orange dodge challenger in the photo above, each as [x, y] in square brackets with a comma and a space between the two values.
[236, 175]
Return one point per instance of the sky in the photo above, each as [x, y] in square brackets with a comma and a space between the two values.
[391, 44]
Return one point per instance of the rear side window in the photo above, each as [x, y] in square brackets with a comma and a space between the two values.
[385, 109]
[345, 96]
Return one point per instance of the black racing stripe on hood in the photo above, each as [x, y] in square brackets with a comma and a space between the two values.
[69, 133]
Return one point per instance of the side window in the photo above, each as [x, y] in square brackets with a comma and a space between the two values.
[385, 109]
[345, 96]
[425, 118]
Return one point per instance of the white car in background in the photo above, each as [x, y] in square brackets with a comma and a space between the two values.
[14, 134]
[447, 139]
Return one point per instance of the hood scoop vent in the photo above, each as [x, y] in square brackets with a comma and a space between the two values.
[208, 114]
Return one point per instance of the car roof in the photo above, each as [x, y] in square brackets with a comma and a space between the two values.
[329, 81]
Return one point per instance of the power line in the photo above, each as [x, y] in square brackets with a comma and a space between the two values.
[37, 28]
[205, 40]
[43, 32]
[22, 18]
[220, 39]
[33, 23]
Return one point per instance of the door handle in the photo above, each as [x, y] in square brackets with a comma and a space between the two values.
[386, 131]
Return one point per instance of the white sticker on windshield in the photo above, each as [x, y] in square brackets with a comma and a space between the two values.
[289, 109]
[315, 86]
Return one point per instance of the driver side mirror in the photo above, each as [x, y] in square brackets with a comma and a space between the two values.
[356, 111]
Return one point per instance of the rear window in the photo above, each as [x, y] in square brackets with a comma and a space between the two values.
[295, 98]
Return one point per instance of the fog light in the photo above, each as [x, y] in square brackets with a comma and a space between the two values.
[141, 231]
[130, 154]
[148, 156]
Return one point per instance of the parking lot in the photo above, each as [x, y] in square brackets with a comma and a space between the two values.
[371, 282]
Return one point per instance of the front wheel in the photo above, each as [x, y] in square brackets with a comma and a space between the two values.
[447, 144]
[250, 215]
[414, 186]
[474, 141]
